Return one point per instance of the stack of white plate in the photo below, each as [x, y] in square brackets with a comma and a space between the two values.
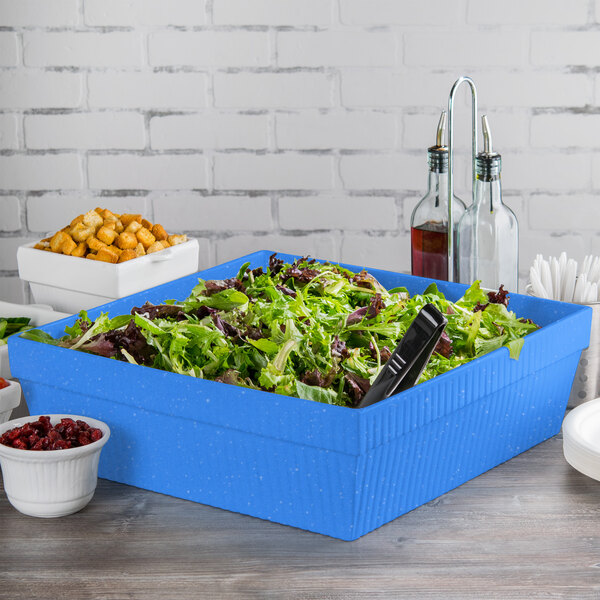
[581, 438]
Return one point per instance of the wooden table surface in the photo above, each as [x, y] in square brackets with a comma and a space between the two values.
[529, 528]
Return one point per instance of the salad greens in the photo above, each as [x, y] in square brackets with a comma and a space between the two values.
[11, 325]
[312, 330]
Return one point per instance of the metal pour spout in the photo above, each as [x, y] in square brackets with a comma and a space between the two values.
[487, 135]
[439, 138]
[488, 163]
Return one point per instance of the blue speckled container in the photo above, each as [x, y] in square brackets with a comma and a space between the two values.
[328, 469]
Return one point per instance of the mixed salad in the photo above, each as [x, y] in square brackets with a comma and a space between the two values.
[11, 325]
[306, 329]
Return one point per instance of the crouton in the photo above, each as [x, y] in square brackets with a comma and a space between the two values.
[58, 239]
[156, 247]
[80, 250]
[106, 235]
[68, 245]
[80, 232]
[177, 239]
[133, 227]
[76, 220]
[95, 244]
[127, 240]
[93, 219]
[145, 237]
[127, 218]
[106, 254]
[158, 231]
[127, 255]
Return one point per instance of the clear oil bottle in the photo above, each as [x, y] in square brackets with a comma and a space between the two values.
[488, 232]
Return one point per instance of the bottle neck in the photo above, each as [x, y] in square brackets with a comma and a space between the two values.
[488, 192]
[437, 184]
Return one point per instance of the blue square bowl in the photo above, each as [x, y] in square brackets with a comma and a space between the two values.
[328, 469]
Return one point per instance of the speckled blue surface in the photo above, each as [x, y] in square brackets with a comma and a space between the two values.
[328, 469]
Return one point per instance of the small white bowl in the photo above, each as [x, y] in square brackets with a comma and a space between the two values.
[10, 397]
[581, 438]
[51, 483]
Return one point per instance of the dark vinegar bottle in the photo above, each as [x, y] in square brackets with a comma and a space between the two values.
[429, 220]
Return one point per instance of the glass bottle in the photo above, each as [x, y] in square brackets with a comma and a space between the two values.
[429, 219]
[488, 233]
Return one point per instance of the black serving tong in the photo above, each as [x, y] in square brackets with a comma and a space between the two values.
[405, 365]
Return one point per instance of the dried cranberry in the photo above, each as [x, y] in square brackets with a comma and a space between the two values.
[95, 434]
[19, 443]
[41, 435]
[46, 425]
[13, 434]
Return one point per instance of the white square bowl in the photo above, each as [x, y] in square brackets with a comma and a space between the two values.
[71, 284]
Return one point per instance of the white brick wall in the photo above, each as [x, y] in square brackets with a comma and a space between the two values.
[9, 132]
[249, 90]
[557, 48]
[336, 49]
[10, 214]
[548, 170]
[145, 90]
[406, 13]
[383, 171]
[288, 171]
[9, 49]
[41, 172]
[292, 125]
[577, 130]
[272, 12]
[209, 49]
[530, 13]
[133, 172]
[82, 49]
[39, 13]
[33, 88]
[185, 212]
[121, 13]
[356, 130]
[344, 214]
[476, 49]
[219, 131]
[564, 213]
[88, 131]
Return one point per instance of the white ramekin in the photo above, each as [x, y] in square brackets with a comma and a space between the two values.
[51, 483]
